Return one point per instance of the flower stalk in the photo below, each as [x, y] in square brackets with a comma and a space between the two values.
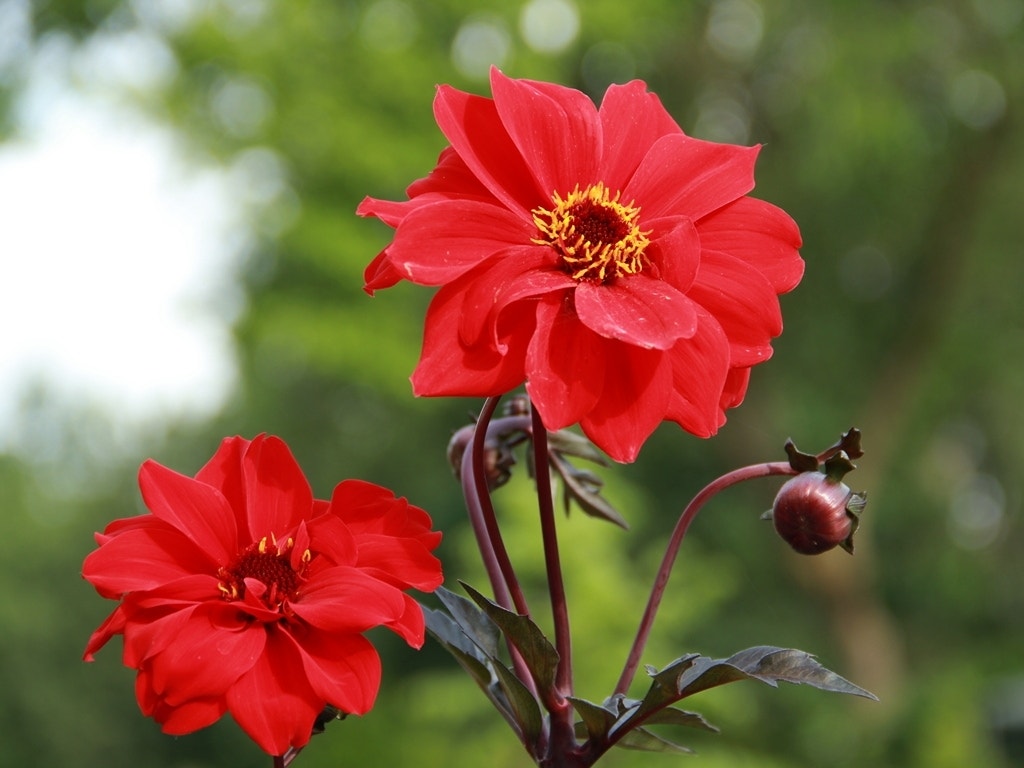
[727, 480]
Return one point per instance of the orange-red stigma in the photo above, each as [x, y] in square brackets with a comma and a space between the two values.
[598, 237]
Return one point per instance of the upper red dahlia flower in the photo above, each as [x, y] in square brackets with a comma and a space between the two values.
[601, 255]
[243, 593]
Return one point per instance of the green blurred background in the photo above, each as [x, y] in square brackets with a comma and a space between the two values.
[891, 132]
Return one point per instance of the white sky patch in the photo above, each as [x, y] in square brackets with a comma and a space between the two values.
[116, 266]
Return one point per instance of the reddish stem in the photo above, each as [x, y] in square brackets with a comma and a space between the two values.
[563, 740]
[661, 579]
[507, 592]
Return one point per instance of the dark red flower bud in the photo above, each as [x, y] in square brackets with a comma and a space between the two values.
[815, 511]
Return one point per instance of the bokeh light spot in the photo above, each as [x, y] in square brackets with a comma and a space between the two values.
[479, 44]
[735, 28]
[549, 26]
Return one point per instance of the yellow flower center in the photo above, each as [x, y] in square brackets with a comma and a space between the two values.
[598, 237]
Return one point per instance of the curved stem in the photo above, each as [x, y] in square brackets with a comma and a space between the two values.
[504, 584]
[507, 592]
[661, 579]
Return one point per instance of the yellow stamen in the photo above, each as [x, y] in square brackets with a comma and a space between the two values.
[598, 237]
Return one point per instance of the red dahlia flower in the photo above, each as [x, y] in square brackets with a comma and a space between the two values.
[602, 256]
[241, 592]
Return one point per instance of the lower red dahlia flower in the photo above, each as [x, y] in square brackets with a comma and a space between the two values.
[613, 263]
[240, 592]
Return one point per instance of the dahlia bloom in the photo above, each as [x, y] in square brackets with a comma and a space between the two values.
[241, 593]
[613, 263]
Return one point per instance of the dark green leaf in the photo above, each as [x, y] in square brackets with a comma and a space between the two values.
[469, 656]
[525, 708]
[597, 719]
[508, 694]
[642, 739]
[574, 444]
[770, 665]
[674, 716]
[475, 624]
[664, 690]
[540, 656]
[584, 488]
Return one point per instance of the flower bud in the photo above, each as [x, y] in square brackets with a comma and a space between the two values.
[815, 512]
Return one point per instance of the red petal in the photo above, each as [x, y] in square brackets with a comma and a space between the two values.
[380, 273]
[631, 120]
[683, 176]
[555, 128]
[144, 559]
[441, 241]
[362, 505]
[273, 702]
[472, 125]
[343, 670]
[224, 472]
[699, 368]
[196, 509]
[511, 276]
[675, 250]
[760, 234]
[743, 303]
[185, 718]
[637, 310]
[345, 599]
[565, 365]
[450, 178]
[147, 633]
[330, 537]
[391, 212]
[208, 654]
[112, 625]
[635, 397]
[400, 561]
[735, 388]
[370, 509]
[277, 492]
[447, 367]
[410, 626]
[197, 587]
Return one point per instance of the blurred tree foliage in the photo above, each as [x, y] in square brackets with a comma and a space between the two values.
[891, 132]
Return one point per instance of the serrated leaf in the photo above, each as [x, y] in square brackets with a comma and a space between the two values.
[597, 719]
[471, 620]
[538, 654]
[642, 739]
